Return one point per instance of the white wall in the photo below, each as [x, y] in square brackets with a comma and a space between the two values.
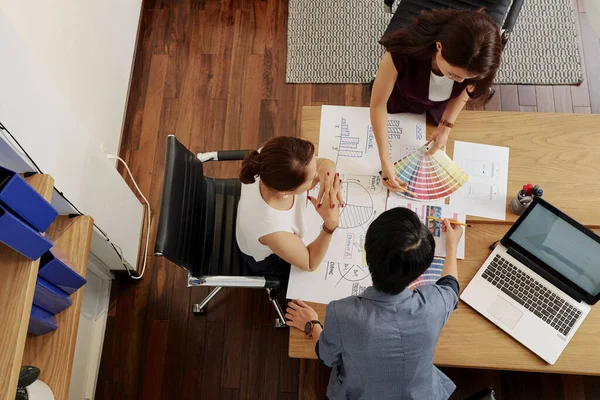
[44, 121]
[87, 49]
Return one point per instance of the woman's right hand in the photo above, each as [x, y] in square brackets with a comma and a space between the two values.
[329, 209]
[390, 180]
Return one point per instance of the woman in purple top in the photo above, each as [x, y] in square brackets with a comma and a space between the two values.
[435, 64]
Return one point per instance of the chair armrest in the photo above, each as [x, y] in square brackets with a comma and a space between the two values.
[387, 6]
[511, 17]
[223, 155]
[258, 282]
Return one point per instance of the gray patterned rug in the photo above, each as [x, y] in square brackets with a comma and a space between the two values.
[336, 42]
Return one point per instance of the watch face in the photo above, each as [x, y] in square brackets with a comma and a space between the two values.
[307, 328]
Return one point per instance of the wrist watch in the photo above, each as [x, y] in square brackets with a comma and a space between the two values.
[327, 230]
[308, 328]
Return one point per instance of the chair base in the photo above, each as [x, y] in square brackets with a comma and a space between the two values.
[201, 308]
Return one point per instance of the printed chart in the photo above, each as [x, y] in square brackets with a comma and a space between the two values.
[347, 138]
[343, 271]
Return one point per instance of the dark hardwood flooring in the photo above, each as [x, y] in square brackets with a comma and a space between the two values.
[213, 73]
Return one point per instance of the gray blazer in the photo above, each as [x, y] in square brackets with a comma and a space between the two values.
[381, 346]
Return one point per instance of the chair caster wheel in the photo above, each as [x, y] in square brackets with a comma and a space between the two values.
[279, 324]
[197, 310]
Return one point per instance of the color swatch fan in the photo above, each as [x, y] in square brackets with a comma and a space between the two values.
[430, 177]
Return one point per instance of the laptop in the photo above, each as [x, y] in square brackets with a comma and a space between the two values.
[540, 281]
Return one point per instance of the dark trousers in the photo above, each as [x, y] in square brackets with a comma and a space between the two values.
[273, 266]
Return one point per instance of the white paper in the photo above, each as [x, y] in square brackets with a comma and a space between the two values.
[435, 209]
[484, 194]
[344, 271]
[346, 137]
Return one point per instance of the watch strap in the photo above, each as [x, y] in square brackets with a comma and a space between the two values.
[312, 326]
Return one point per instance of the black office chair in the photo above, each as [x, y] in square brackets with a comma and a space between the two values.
[484, 394]
[196, 227]
[504, 12]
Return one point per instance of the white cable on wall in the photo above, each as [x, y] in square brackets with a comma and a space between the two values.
[112, 156]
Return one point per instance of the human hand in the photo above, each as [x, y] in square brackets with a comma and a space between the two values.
[298, 313]
[439, 138]
[390, 180]
[327, 174]
[327, 209]
[453, 234]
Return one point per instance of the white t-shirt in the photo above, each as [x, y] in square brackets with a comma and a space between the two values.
[440, 87]
[255, 219]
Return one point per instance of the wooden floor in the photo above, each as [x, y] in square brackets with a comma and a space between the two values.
[212, 72]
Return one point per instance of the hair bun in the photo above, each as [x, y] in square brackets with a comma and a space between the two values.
[250, 167]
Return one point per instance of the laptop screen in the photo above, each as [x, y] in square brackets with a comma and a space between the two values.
[562, 246]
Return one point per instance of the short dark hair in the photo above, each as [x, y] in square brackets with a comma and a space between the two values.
[281, 163]
[399, 249]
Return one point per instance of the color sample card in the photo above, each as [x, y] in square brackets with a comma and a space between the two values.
[435, 209]
[430, 177]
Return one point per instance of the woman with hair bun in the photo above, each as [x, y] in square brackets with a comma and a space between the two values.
[272, 230]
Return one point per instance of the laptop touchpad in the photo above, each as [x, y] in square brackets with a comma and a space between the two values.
[505, 312]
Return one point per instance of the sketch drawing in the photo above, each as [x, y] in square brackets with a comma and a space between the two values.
[358, 209]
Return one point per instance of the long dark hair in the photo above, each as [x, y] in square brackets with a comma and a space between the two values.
[470, 40]
[281, 163]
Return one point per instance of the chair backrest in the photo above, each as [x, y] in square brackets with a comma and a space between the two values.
[496, 9]
[196, 227]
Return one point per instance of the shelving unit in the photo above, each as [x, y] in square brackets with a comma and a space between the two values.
[16, 295]
[52, 353]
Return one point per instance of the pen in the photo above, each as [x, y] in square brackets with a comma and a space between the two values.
[452, 221]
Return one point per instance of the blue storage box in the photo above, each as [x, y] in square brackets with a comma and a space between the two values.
[41, 321]
[17, 234]
[19, 197]
[49, 297]
[55, 268]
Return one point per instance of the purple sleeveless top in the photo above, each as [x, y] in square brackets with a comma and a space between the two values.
[411, 91]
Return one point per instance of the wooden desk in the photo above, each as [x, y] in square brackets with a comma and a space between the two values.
[468, 339]
[559, 152]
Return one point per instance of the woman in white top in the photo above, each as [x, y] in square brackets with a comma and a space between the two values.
[434, 64]
[272, 231]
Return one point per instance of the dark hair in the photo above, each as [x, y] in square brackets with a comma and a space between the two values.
[281, 163]
[399, 249]
[470, 39]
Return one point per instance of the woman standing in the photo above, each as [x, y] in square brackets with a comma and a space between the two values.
[435, 64]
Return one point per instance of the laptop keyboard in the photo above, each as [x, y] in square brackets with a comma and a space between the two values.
[532, 295]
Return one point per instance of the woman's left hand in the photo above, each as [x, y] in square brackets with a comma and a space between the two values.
[439, 138]
[327, 173]
[298, 313]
